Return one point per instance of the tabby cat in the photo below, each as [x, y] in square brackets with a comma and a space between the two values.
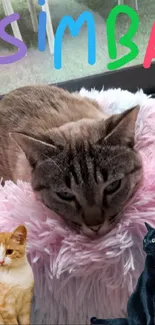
[16, 279]
[81, 163]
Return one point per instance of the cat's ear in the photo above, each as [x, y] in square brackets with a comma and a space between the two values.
[148, 227]
[120, 128]
[19, 235]
[34, 149]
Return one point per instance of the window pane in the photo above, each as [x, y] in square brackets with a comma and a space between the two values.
[38, 67]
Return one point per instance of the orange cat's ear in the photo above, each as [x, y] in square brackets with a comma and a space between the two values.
[20, 234]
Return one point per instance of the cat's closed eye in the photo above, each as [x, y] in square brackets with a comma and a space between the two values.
[65, 196]
[9, 251]
[113, 187]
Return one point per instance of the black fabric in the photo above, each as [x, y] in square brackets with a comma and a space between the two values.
[141, 304]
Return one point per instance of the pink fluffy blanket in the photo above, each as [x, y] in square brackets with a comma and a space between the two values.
[77, 278]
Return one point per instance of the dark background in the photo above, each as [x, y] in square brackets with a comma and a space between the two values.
[130, 79]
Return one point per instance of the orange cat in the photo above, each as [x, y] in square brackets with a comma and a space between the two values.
[16, 279]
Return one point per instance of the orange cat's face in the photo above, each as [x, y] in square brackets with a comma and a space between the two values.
[12, 246]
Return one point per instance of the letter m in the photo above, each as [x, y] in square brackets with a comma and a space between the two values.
[74, 27]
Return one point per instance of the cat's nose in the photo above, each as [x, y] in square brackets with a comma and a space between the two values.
[1, 262]
[93, 217]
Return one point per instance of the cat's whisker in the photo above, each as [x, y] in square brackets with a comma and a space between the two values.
[53, 162]
[74, 226]
[114, 157]
[115, 219]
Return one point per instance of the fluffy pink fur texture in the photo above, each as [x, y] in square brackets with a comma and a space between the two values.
[77, 278]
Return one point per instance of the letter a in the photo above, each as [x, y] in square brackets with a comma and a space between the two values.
[150, 52]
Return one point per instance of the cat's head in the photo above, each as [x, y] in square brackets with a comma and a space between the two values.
[86, 170]
[13, 247]
[149, 240]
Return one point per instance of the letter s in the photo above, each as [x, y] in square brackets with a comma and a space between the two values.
[22, 49]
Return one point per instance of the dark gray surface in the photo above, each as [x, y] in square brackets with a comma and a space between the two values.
[131, 79]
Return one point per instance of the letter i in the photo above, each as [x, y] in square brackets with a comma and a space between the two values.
[42, 28]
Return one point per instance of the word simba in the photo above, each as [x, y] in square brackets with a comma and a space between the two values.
[75, 27]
